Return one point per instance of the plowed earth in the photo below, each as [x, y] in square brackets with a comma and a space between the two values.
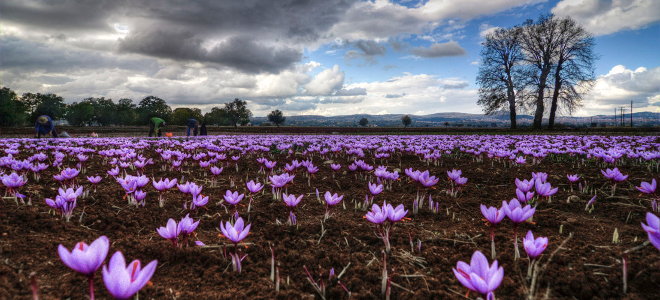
[587, 267]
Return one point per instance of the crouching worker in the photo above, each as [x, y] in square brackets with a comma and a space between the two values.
[44, 126]
[155, 126]
[192, 124]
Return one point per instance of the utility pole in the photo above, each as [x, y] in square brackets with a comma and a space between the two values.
[631, 124]
[622, 109]
[615, 117]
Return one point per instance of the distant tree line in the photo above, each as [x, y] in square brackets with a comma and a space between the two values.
[18, 110]
[548, 62]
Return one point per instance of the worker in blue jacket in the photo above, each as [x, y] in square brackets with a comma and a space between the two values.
[44, 126]
[192, 124]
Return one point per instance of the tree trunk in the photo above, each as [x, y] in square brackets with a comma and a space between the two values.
[555, 97]
[511, 95]
[538, 117]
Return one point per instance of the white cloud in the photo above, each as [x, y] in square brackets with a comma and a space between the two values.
[408, 93]
[381, 19]
[485, 29]
[609, 16]
[326, 82]
[620, 86]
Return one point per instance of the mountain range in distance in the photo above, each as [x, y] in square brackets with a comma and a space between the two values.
[461, 119]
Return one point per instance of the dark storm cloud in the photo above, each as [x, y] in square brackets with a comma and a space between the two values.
[26, 56]
[370, 48]
[394, 96]
[352, 92]
[237, 52]
[440, 50]
[61, 14]
[255, 35]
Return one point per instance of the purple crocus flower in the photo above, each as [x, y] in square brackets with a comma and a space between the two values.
[291, 200]
[216, 171]
[235, 234]
[94, 179]
[124, 281]
[478, 276]
[184, 188]
[426, 180]
[461, 180]
[652, 228]
[375, 189]
[195, 189]
[170, 232]
[254, 187]
[331, 200]
[573, 178]
[396, 214]
[233, 198]
[614, 175]
[525, 185]
[199, 201]
[590, 203]
[335, 167]
[517, 215]
[493, 216]
[524, 197]
[534, 247]
[454, 174]
[544, 189]
[114, 172]
[70, 173]
[86, 259]
[377, 215]
[540, 175]
[70, 194]
[520, 160]
[648, 188]
[186, 226]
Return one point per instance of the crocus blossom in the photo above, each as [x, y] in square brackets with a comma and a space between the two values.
[123, 281]
[86, 259]
[478, 276]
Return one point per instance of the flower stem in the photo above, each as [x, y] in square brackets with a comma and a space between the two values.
[91, 287]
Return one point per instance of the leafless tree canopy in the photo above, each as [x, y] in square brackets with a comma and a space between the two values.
[548, 62]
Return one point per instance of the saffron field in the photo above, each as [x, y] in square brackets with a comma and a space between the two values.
[330, 217]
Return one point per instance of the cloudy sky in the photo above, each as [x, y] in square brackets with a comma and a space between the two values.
[328, 57]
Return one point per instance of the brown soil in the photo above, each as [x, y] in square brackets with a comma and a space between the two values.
[588, 267]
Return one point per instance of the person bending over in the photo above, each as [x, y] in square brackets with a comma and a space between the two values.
[192, 124]
[44, 126]
[155, 126]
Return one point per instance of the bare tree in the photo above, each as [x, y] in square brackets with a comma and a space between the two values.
[540, 41]
[498, 71]
[574, 67]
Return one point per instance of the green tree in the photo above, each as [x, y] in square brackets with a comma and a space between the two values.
[12, 110]
[105, 111]
[181, 115]
[152, 106]
[276, 117]
[364, 122]
[237, 112]
[406, 120]
[79, 114]
[126, 112]
[217, 116]
[45, 104]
